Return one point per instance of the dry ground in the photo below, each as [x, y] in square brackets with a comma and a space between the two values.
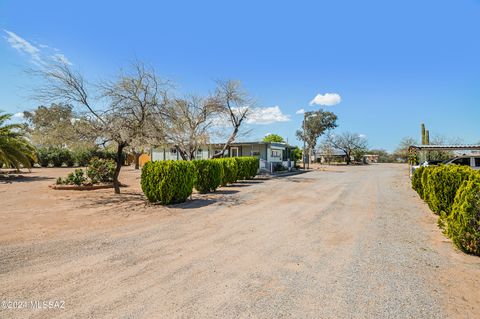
[338, 242]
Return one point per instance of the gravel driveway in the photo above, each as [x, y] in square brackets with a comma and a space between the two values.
[347, 242]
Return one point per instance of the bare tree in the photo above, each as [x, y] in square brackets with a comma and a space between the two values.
[349, 143]
[130, 104]
[235, 104]
[188, 121]
[402, 150]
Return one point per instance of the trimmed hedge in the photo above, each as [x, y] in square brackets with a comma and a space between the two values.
[247, 167]
[208, 175]
[168, 182]
[230, 170]
[171, 182]
[463, 224]
[453, 192]
[441, 184]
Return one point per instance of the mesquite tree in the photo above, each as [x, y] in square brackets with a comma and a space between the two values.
[349, 143]
[234, 104]
[125, 109]
[187, 123]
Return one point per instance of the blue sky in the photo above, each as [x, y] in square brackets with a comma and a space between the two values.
[394, 63]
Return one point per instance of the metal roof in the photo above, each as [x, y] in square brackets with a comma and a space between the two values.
[451, 147]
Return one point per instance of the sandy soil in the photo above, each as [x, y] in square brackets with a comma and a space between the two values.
[337, 242]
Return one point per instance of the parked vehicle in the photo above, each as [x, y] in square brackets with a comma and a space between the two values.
[468, 160]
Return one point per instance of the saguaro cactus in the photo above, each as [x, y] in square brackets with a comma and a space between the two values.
[422, 126]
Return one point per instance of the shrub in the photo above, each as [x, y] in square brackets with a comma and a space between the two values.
[208, 175]
[83, 156]
[168, 182]
[463, 224]
[417, 180]
[230, 170]
[43, 157]
[247, 167]
[59, 156]
[101, 170]
[442, 185]
[75, 178]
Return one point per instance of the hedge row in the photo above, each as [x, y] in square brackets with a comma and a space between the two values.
[57, 157]
[171, 182]
[453, 192]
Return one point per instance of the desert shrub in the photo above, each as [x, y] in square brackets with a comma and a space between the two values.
[75, 178]
[230, 170]
[43, 157]
[208, 175]
[83, 156]
[168, 182]
[101, 170]
[463, 224]
[442, 185]
[417, 180]
[59, 156]
[278, 167]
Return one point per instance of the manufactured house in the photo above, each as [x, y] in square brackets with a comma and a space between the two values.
[269, 154]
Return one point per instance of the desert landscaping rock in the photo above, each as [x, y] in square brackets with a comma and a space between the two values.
[336, 242]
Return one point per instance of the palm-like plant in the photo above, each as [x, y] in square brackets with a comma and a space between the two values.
[15, 149]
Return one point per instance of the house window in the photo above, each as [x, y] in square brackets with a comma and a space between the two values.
[173, 150]
[234, 151]
[276, 153]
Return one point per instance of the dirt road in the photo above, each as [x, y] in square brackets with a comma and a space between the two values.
[347, 242]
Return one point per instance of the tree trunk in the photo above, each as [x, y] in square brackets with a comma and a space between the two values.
[116, 183]
[229, 141]
[137, 159]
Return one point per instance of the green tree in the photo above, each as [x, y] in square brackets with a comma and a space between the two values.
[15, 149]
[315, 124]
[275, 138]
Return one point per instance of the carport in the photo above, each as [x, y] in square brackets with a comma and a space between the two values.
[414, 149]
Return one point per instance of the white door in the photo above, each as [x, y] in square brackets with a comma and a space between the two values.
[234, 152]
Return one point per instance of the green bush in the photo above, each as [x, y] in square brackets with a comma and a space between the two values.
[168, 182]
[75, 178]
[208, 175]
[230, 170]
[247, 167]
[453, 192]
[463, 224]
[442, 185]
[417, 180]
[43, 157]
[101, 170]
[82, 156]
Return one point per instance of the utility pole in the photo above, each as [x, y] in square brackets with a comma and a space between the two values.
[304, 148]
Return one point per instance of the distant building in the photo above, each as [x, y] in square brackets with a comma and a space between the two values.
[268, 153]
[370, 158]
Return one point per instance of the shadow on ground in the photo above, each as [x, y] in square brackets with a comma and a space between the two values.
[8, 179]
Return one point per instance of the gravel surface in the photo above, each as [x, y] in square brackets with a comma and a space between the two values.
[342, 242]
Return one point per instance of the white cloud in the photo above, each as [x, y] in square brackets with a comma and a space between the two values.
[39, 55]
[301, 111]
[23, 46]
[18, 115]
[362, 135]
[267, 115]
[326, 99]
